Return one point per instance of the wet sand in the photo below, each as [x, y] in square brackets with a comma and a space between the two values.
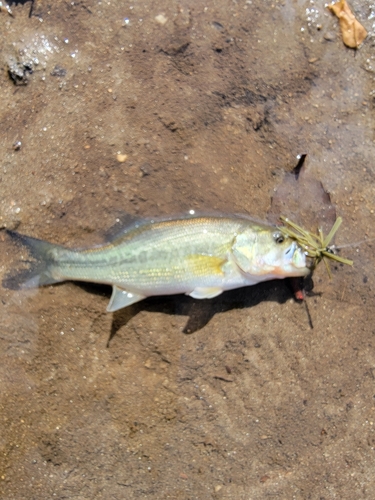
[207, 105]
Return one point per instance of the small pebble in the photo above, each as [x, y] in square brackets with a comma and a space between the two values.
[121, 158]
[145, 169]
[329, 36]
[161, 19]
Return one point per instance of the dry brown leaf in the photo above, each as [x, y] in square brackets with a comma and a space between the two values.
[302, 198]
[353, 33]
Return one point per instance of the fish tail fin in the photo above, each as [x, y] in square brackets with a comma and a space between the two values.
[38, 272]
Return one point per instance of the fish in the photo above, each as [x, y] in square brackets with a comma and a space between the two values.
[200, 256]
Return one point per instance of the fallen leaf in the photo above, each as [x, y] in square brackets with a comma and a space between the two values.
[353, 33]
[302, 198]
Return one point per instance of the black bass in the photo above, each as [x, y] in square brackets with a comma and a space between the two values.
[200, 256]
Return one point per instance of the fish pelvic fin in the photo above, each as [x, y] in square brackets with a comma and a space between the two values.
[38, 272]
[205, 292]
[122, 298]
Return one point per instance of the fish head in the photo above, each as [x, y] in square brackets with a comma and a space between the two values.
[267, 252]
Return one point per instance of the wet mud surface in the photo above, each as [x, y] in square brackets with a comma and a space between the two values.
[207, 105]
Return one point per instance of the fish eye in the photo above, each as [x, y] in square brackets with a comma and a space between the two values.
[279, 238]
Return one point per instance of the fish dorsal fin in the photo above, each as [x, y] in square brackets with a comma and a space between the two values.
[122, 298]
[124, 223]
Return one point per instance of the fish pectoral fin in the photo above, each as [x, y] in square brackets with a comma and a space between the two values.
[122, 298]
[208, 292]
[203, 265]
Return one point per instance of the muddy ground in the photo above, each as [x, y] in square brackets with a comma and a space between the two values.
[211, 102]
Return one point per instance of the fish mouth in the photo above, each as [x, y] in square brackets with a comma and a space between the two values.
[299, 259]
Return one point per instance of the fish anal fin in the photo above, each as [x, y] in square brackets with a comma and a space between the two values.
[208, 292]
[122, 298]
